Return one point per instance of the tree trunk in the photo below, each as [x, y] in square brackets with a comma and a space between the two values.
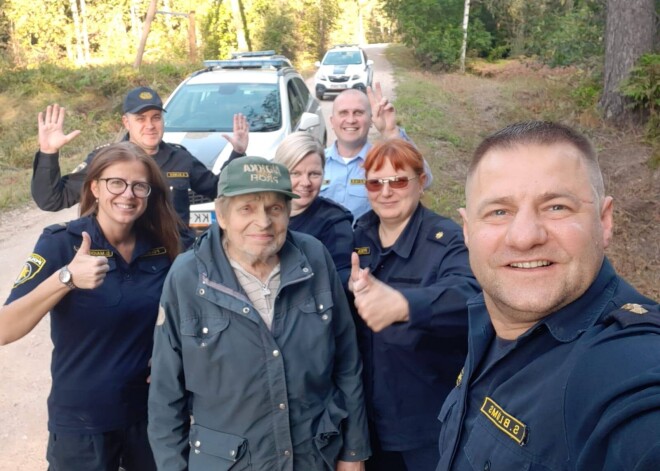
[76, 29]
[466, 20]
[85, 34]
[192, 37]
[238, 24]
[629, 33]
[151, 13]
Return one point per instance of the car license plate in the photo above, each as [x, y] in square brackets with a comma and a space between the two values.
[337, 86]
[202, 218]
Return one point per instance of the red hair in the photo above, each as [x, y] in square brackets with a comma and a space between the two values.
[400, 153]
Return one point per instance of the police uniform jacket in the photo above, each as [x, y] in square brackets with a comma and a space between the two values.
[102, 337]
[579, 391]
[332, 224]
[182, 171]
[281, 399]
[411, 366]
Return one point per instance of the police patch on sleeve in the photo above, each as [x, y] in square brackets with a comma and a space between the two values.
[33, 265]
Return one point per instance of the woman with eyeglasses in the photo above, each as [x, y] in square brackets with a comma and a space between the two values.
[329, 222]
[100, 277]
[410, 279]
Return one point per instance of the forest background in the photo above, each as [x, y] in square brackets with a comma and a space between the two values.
[593, 64]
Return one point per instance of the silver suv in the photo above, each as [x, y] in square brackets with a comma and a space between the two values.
[344, 66]
[261, 85]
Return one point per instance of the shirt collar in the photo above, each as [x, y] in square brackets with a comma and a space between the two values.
[570, 321]
[405, 244]
[332, 153]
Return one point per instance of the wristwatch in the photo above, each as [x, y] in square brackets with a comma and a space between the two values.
[66, 277]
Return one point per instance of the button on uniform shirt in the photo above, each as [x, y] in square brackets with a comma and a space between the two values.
[579, 391]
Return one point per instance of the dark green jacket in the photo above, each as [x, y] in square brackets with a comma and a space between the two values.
[281, 399]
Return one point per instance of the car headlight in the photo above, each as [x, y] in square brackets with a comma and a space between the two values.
[322, 77]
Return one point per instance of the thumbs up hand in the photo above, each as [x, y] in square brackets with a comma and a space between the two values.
[378, 304]
[88, 271]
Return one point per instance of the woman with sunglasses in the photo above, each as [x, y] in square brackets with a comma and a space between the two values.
[411, 279]
[100, 277]
[329, 222]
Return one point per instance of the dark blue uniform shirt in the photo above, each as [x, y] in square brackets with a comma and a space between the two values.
[579, 391]
[103, 337]
[332, 224]
[411, 366]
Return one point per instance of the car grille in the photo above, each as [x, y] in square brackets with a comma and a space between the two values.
[194, 198]
[338, 78]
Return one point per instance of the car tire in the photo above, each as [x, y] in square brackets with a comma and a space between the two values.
[319, 96]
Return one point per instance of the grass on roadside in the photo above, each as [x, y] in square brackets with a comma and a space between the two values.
[92, 97]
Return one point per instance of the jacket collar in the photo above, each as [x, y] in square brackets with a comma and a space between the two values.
[405, 244]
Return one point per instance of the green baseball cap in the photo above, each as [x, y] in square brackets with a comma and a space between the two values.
[254, 175]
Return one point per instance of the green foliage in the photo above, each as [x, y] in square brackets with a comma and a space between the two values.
[643, 89]
[587, 92]
[218, 32]
[643, 84]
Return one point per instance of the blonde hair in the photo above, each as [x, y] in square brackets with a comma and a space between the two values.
[295, 147]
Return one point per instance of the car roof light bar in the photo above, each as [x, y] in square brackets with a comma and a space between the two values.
[276, 63]
[236, 55]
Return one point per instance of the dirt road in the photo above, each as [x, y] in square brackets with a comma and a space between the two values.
[25, 364]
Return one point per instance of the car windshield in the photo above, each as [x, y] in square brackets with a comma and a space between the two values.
[211, 107]
[342, 58]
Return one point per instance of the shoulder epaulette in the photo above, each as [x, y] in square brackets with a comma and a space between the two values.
[98, 148]
[634, 314]
[439, 235]
[177, 146]
[54, 228]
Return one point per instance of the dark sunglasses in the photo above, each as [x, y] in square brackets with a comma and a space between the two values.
[396, 183]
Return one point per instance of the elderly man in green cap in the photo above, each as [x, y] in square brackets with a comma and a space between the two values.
[255, 340]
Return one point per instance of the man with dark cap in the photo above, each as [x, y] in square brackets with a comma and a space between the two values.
[143, 121]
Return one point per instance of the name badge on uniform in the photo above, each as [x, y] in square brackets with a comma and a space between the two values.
[363, 250]
[177, 174]
[358, 181]
[507, 423]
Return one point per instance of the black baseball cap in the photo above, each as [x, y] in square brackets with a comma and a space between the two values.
[141, 99]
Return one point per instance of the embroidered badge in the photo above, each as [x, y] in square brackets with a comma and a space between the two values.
[156, 251]
[363, 250]
[439, 235]
[177, 174]
[459, 379]
[80, 168]
[32, 266]
[634, 308]
[100, 253]
[145, 96]
[160, 320]
[508, 424]
[358, 181]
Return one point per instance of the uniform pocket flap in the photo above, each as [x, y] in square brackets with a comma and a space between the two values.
[203, 327]
[211, 442]
[319, 304]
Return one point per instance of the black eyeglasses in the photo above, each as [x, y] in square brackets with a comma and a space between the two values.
[396, 183]
[117, 186]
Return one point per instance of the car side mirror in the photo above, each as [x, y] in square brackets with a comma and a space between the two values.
[317, 64]
[308, 121]
[370, 62]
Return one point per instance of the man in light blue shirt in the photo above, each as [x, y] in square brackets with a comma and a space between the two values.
[353, 113]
